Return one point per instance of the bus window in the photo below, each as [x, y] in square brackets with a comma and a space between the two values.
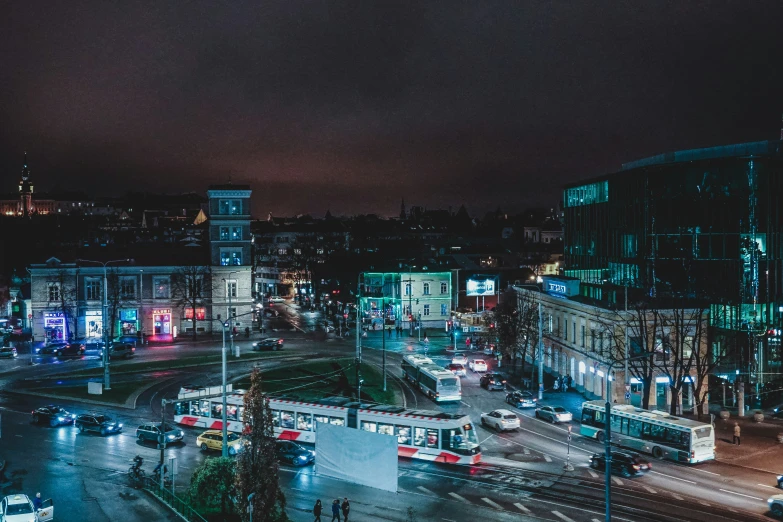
[231, 412]
[321, 418]
[385, 429]
[419, 436]
[287, 419]
[634, 428]
[657, 433]
[369, 426]
[304, 422]
[588, 417]
[217, 410]
[702, 433]
[432, 438]
[337, 421]
[403, 434]
[276, 418]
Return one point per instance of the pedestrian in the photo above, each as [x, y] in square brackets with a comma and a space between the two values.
[336, 510]
[736, 439]
[346, 507]
[389, 332]
[317, 508]
[37, 502]
[425, 333]
[556, 385]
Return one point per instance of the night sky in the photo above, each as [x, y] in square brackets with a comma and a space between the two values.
[350, 106]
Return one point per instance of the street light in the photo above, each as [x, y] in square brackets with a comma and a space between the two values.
[105, 317]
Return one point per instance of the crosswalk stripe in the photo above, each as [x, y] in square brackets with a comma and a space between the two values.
[651, 490]
[678, 497]
[522, 508]
[562, 516]
[592, 473]
[459, 497]
[617, 481]
[427, 491]
[547, 458]
[492, 503]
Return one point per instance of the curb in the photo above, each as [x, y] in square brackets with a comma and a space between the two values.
[129, 404]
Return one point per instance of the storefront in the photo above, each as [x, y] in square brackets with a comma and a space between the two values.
[93, 324]
[128, 322]
[161, 321]
[54, 327]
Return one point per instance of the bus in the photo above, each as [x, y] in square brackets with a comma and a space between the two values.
[655, 432]
[435, 382]
[428, 435]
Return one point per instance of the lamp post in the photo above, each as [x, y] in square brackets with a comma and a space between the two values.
[105, 317]
[224, 416]
[358, 361]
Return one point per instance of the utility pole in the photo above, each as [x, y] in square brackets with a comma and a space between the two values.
[383, 336]
[540, 350]
[358, 361]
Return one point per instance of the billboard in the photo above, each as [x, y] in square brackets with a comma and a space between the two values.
[481, 287]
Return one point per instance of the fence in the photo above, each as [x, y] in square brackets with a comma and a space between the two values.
[179, 505]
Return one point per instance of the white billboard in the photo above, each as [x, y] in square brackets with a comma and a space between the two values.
[480, 287]
[357, 456]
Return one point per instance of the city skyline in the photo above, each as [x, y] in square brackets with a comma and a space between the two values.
[350, 109]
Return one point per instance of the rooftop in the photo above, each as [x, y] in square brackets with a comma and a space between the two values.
[756, 148]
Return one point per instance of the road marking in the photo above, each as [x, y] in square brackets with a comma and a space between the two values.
[492, 503]
[427, 491]
[485, 440]
[678, 497]
[703, 503]
[705, 471]
[562, 516]
[465, 403]
[675, 478]
[448, 520]
[740, 494]
[18, 435]
[767, 486]
[527, 451]
[459, 497]
[522, 508]
[547, 458]
[573, 447]
[617, 481]
[651, 490]
[592, 473]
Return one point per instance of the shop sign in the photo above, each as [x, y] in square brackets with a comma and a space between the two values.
[161, 311]
[478, 288]
[127, 315]
[53, 315]
[93, 313]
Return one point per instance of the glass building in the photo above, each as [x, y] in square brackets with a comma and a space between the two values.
[703, 224]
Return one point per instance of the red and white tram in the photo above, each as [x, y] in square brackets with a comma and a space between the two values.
[428, 435]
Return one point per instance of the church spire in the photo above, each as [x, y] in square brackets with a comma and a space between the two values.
[403, 215]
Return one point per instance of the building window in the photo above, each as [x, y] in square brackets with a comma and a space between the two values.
[161, 287]
[92, 289]
[583, 336]
[194, 287]
[426, 309]
[444, 309]
[231, 289]
[54, 292]
[565, 330]
[282, 251]
[231, 233]
[128, 288]
[406, 309]
[426, 288]
[232, 312]
[592, 340]
[444, 288]
[574, 338]
[230, 207]
[230, 257]
[201, 314]
[550, 323]
[407, 289]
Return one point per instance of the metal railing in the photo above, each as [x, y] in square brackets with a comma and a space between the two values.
[179, 505]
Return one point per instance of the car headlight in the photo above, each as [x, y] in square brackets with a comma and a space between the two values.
[770, 500]
[172, 436]
[119, 425]
[780, 477]
[60, 419]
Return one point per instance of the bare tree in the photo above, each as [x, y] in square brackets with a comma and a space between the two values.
[516, 323]
[190, 284]
[710, 355]
[115, 298]
[62, 296]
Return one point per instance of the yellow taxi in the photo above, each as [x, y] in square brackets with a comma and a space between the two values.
[213, 440]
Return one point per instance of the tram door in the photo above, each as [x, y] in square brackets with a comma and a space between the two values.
[352, 423]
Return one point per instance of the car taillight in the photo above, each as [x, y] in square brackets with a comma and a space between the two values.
[693, 454]
[636, 467]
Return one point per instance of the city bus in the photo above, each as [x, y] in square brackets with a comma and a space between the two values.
[428, 435]
[435, 382]
[655, 432]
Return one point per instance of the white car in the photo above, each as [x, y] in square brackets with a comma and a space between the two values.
[456, 369]
[554, 414]
[776, 505]
[501, 420]
[477, 365]
[459, 358]
[19, 508]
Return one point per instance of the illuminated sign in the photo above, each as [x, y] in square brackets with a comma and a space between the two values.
[557, 288]
[486, 287]
[160, 311]
[52, 315]
[93, 313]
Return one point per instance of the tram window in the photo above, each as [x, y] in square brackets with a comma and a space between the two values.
[241, 413]
[204, 408]
[432, 438]
[403, 434]
[321, 418]
[217, 410]
[181, 408]
[337, 421]
[419, 436]
[276, 418]
[231, 412]
[634, 428]
[369, 426]
[287, 419]
[304, 422]
[453, 439]
[194, 408]
[385, 429]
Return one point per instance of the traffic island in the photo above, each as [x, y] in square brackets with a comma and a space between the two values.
[121, 394]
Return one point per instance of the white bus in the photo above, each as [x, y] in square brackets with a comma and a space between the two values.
[655, 432]
[435, 382]
[428, 435]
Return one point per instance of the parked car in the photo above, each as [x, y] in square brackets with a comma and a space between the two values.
[151, 432]
[456, 369]
[624, 463]
[493, 381]
[489, 349]
[459, 358]
[293, 453]
[521, 399]
[213, 440]
[501, 420]
[775, 503]
[19, 508]
[52, 415]
[477, 365]
[554, 414]
[58, 350]
[8, 352]
[270, 343]
[97, 423]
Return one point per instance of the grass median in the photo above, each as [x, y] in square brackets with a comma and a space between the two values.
[317, 380]
[118, 394]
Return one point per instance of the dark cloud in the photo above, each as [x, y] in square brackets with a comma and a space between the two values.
[353, 105]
